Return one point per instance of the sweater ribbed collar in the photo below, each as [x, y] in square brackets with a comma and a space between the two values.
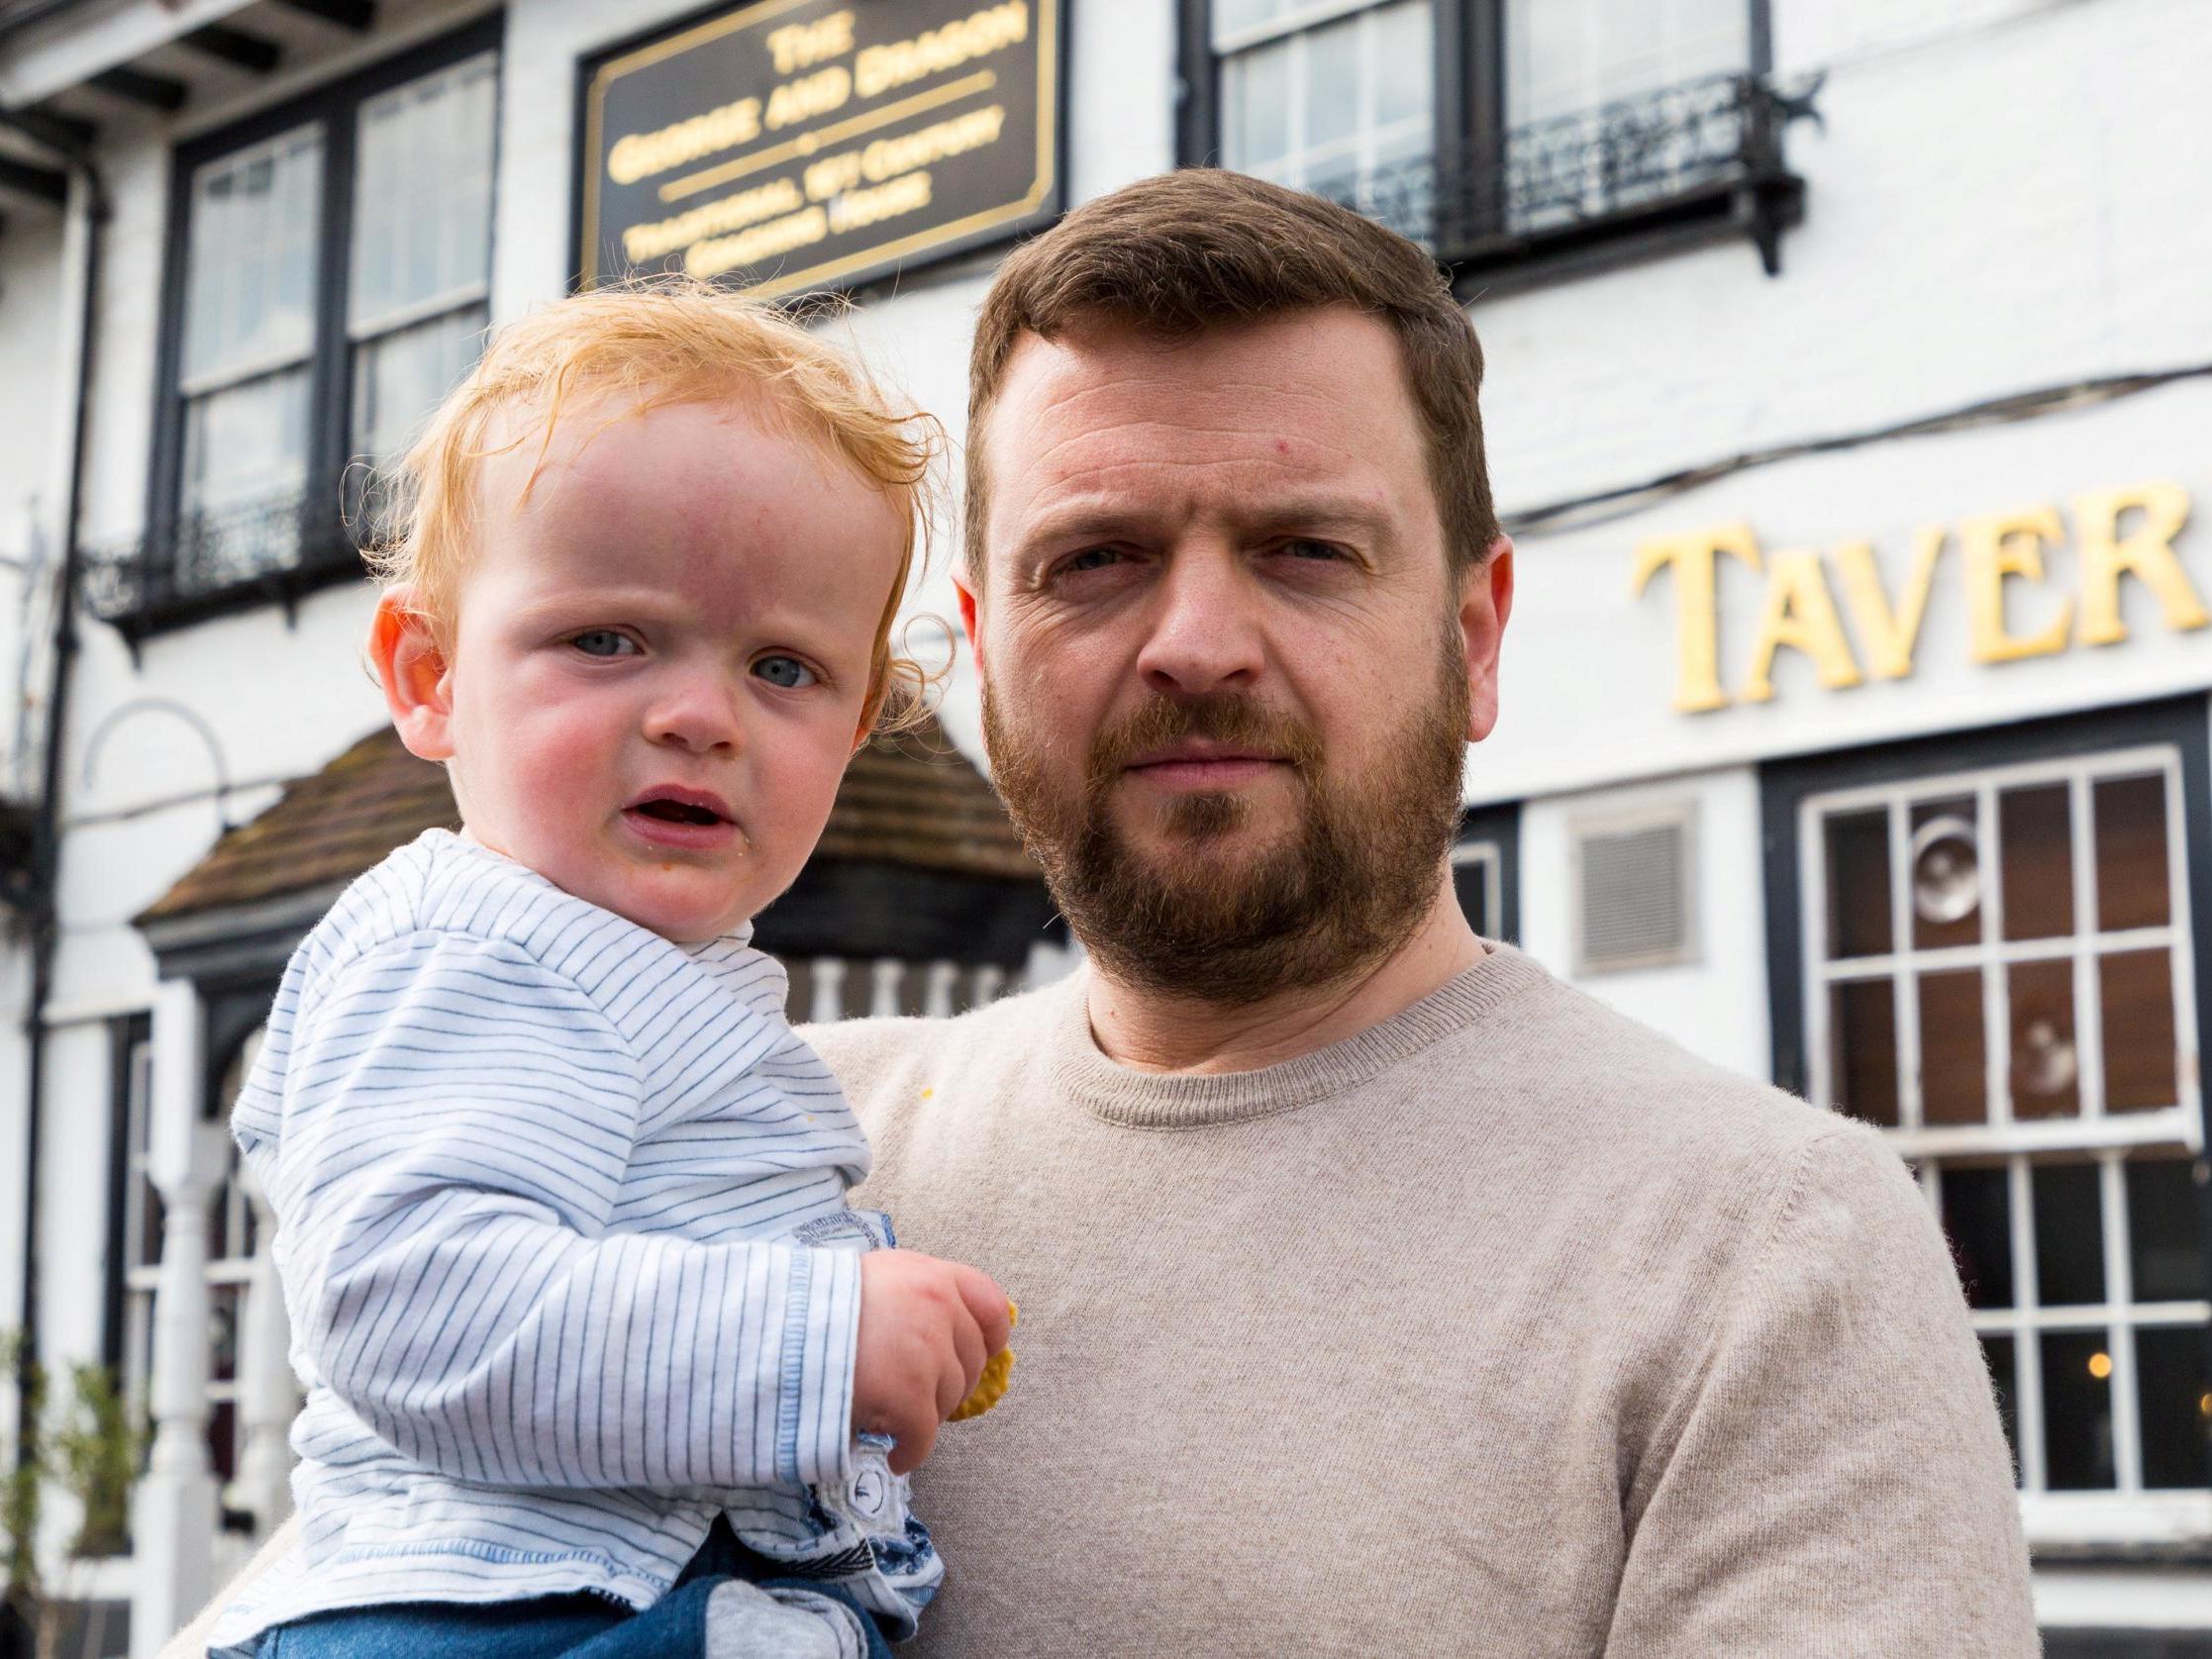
[1176, 1101]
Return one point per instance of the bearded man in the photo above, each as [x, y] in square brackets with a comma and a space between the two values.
[1380, 1294]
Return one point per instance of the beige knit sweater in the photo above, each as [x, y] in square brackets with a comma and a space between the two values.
[1505, 1327]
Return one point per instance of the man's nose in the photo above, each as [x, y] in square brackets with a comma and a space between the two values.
[697, 712]
[1205, 632]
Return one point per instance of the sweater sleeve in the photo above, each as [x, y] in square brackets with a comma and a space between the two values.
[1833, 1481]
[457, 1124]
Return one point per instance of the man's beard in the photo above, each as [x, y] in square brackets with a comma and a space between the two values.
[1344, 884]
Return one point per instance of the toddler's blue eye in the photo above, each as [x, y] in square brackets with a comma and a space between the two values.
[785, 672]
[604, 641]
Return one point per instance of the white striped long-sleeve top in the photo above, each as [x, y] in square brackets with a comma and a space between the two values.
[537, 1173]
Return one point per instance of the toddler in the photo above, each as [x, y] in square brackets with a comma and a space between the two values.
[597, 1358]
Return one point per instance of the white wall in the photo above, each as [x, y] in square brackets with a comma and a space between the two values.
[1714, 1005]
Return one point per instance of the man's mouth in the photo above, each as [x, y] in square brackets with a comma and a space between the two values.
[1204, 763]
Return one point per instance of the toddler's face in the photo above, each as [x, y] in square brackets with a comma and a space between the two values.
[661, 659]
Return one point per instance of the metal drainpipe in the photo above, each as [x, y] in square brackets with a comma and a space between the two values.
[45, 838]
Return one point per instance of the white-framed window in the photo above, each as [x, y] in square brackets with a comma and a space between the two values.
[1478, 879]
[1458, 125]
[1324, 96]
[1998, 973]
[250, 275]
[1571, 57]
[140, 1232]
[418, 302]
[334, 264]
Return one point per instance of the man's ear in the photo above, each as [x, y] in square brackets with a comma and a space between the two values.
[970, 621]
[416, 677]
[1485, 603]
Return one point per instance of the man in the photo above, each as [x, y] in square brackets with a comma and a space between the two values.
[1380, 1294]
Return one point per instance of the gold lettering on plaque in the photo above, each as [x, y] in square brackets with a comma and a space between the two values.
[1800, 612]
[1888, 634]
[2146, 553]
[1692, 558]
[2000, 545]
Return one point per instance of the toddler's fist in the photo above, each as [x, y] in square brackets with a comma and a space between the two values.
[928, 1328]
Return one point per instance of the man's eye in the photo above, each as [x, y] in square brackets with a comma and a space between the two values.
[1090, 558]
[785, 672]
[1309, 549]
[604, 641]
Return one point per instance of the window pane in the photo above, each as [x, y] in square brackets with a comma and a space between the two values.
[1997, 1350]
[1977, 1214]
[1332, 93]
[2045, 1068]
[422, 193]
[246, 443]
[1255, 94]
[1946, 874]
[251, 255]
[1858, 898]
[2165, 1242]
[399, 377]
[1862, 1046]
[1574, 54]
[1954, 1079]
[2174, 1404]
[1548, 63]
[2038, 834]
[1231, 17]
[2070, 1236]
[1404, 64]
[2139, 1043]
[2076, 1411]
[2131, 853]
[1471, 876]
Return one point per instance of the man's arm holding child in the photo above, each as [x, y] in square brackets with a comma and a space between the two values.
[1832, 1478]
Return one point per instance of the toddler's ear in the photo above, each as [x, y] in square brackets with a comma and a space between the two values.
[412, 673]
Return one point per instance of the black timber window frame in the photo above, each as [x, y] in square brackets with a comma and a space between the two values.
[137, 588]
[128, 1109]
[1752, 194]
[2096, 1168]
[1486, 868]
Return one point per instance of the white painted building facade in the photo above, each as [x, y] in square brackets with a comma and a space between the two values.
[1956, 671]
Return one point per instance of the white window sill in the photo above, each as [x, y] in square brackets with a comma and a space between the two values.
[2119, 1518]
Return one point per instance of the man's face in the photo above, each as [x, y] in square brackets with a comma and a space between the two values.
[1229, 673]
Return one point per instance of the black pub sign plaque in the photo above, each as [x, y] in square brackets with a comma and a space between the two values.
[791, 144]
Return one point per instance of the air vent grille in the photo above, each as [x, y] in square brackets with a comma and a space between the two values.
[1634, 901]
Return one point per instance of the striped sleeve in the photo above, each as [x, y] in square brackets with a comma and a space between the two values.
[455, 1126]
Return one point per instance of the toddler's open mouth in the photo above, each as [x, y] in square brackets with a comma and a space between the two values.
[674, 816]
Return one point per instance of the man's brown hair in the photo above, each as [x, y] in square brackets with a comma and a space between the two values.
[1197, 250]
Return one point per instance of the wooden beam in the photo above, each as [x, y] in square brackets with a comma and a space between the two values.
[238, 47]
[357, 15]
[47, 184]
[155, 92]
[56, 129]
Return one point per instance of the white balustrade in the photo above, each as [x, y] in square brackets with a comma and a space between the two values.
[827, 974]
[173, 1514]
[937, 998]
[268, 1394]
[889, 975]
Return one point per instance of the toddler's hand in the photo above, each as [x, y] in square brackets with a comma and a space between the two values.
[928, 1328]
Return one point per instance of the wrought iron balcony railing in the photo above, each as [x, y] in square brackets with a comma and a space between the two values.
[279, 548]
[1706, 151]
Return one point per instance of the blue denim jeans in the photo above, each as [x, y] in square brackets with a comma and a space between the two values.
[578, 1626]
